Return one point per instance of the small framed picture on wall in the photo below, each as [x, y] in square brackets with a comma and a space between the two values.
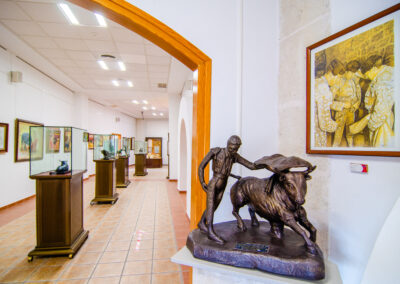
[3, 137]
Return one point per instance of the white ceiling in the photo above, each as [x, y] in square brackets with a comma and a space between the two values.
[74, 50]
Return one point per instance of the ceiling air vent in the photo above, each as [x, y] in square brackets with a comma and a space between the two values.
[162, 85]
[107, 56]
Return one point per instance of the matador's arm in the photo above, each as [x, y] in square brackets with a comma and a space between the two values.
[202, 166]
[244, 162]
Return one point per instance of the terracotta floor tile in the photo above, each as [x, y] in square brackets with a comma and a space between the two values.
[187, 275]
[108, 269]
[139, 279]
[105, 280]
[78, 271]
[118, 245]
[141, 244]
[137, 267]
[47, 273]
[17, 274]
[167, 243]
[164, 265]
[164, 252]
[86, 257]
[58, 260]
[113, 256]
[142, 254]
[167, 278]
[94, 246]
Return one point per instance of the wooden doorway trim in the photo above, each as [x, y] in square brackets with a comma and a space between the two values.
[155, 31]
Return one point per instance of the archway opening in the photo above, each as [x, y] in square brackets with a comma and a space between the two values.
[153, 30]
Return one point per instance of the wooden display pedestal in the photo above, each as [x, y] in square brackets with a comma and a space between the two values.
[154, 163]
[59, 214]
[140, 165]
[122, 165]
[105, 182]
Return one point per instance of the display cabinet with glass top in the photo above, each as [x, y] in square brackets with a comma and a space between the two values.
[105, 149]
[140, 158]
[154, 152]
[58, 159]
[122, 164]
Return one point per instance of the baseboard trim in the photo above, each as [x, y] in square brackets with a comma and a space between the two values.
[17, 202]
[175, 180]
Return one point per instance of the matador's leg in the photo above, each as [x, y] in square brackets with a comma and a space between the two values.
[214, 196]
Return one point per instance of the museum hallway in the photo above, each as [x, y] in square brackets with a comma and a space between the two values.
[129, 242]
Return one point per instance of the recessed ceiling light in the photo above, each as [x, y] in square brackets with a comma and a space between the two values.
[153, 108]
[68, 14]
[145, 102]
[102, 64]
[122, 66]
[100, 19]
[154, 114]
[145, 108]
[135, 102]
[130, 84]
[115, 83]
[161, 114]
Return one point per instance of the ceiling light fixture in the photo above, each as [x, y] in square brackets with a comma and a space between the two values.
[130, 84]
[145, 108]
[135, 102]
[115, 83]
[122, 66]
[161, 114]
[154, 114]
[102, 64]
[68, 14]
[100, 19]
[153, 108]
[145, 102]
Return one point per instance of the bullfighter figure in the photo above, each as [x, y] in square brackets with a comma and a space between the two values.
[223, 159]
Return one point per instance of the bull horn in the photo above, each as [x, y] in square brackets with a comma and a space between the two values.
[310, 169]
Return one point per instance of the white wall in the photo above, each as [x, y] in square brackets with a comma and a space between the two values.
[348, 209]
[240, 101]
[173, 110]
[186, 117]
[154, 128]
[37, 99]
[102, 120]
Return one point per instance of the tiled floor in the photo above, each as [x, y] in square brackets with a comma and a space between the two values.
[129, 242]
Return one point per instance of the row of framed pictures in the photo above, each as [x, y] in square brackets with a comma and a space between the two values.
[23, 141]
[87, 137]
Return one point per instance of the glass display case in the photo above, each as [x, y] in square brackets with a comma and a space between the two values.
[106, 142]
[126, 147]
[57, 150]
[154, 152]
[140, 147]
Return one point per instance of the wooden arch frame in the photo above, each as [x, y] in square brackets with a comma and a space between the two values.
[153, 30]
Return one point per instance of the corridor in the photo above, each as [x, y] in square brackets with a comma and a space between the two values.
[129, 242]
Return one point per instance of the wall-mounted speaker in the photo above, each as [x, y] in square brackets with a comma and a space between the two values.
[15, 76]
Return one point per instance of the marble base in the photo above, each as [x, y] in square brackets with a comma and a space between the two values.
[215, 273]
[256, 249]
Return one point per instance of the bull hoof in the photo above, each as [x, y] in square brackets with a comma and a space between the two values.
[255, 223]
[242, 228]
[312, 250]
[216, 238]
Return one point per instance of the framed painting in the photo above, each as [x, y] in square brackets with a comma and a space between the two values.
[353, 89]
[91, 141]
[53, 137]
[24, 143]
[85, 137]
[67, 139]
[3, 137]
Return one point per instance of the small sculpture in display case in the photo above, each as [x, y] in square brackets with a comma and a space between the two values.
[106, 155]
[62, 169]
[266, 246]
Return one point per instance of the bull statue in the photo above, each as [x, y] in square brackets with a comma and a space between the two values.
[278, 199]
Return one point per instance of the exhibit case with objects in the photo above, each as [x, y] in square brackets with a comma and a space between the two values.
[58, 159]
[104, 155]
[140, 158]
[154, 152]
[122, 164]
